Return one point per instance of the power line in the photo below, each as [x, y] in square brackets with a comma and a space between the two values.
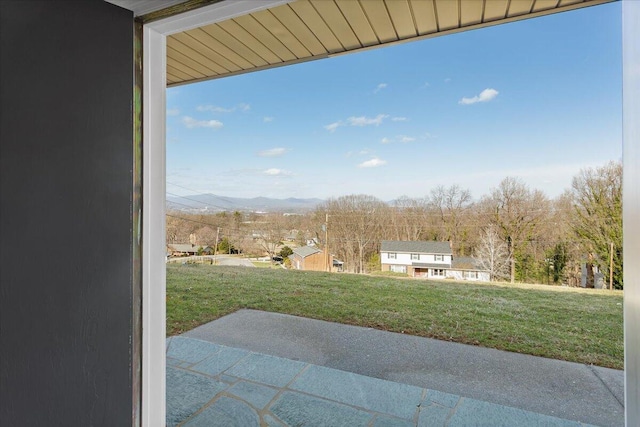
[198, 192]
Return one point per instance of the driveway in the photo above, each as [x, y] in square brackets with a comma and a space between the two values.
[217, 259]
[233, 260]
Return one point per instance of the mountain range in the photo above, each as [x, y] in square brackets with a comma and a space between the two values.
[212, 203]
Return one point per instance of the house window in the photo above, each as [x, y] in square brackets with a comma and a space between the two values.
[398, 268]
[437, 272]
[470, 274]
[392, 255]
[415, 257]
[439, 257]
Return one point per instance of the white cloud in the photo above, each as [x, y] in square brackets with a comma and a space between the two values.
[277, 172]
[333, 126]
[357, 121]
[267, 119]
[425, 85]
[399, 119]
[273, 152]
[380, 87]
[375, 162]
[400, 138]
[173, 112]
[485, 96]
[365, 121]
[216, 109]
[447, 80]
[192, 123]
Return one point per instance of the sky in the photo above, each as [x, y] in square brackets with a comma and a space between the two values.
[537, 99]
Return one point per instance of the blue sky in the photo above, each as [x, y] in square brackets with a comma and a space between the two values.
[537, 99]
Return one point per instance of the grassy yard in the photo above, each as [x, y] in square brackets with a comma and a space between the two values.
[570, 324]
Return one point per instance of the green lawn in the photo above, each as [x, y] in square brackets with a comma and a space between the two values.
[570, 324]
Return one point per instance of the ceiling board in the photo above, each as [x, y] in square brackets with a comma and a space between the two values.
[519, 7]
[303, 30]
[358, 22]
[250, 24]
[337, 22]
[317, 25]
[424, 13]
[299, 29]
[246, 38]
[544, 5]
[183, 44]
[447, 12]
[495, 9]
[402, 18]
[235, 45]
[282, 33]
[380, 20]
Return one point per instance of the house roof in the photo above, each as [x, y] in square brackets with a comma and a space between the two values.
[305, 251]
[183, 247]
[464, 263]
[422, 247]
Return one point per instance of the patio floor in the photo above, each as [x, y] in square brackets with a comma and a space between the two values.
[214, 385]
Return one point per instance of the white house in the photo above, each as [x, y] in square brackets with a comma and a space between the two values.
[428, 259]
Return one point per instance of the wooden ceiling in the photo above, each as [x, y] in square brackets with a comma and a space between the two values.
[311, 29]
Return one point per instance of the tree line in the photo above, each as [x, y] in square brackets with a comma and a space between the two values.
[514, 232]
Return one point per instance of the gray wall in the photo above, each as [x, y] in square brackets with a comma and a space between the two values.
[65, 213]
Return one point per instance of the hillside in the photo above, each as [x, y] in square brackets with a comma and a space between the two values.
[212, 203]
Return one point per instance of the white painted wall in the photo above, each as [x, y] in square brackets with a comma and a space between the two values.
[405, 259]
[483, 276]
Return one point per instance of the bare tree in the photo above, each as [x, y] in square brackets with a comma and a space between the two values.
[597, 219]
[516, 211]
[451, 205]
[272, 230]
[206, 236]
[408, 219]
[492, 254]
[354, 225]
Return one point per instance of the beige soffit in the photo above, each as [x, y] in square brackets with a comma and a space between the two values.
[304, 30]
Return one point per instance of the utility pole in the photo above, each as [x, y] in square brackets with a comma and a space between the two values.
[215, 249]
[611, 269]
[326, 242]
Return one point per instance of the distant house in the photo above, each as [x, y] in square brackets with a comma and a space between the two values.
[313, 259]
[467, 268]
[428, 259]
[183, 249]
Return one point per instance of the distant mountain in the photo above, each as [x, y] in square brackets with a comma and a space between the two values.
[212, 203]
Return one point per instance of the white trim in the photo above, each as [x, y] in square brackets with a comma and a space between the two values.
[631, 206]
[153, 230]
[153, 192]
[217, 12]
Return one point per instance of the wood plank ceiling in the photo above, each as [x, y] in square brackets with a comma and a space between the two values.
[311, 29]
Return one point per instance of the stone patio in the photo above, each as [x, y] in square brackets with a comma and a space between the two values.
[214, 385]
